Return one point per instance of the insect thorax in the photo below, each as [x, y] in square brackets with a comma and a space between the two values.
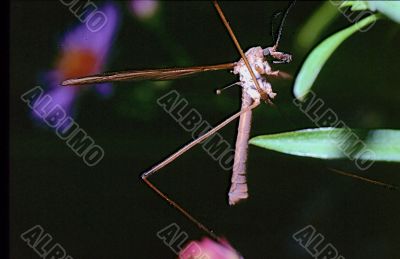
[260, 67]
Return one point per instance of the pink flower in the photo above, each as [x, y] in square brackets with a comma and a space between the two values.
[83, 52]
[209, 249]
[144, 9]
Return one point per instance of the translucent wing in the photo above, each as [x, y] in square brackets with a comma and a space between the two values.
[148, 74]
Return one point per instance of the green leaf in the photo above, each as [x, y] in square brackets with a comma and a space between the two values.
[315, 25]
[320, 54]
[355, 5]
[391, 9]
[335, 143]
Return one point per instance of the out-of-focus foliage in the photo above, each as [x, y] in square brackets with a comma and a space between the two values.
[323, 17]
[320, 54]
[315, 25]
[391, 9]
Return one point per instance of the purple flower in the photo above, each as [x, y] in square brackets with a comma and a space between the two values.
[83, 52]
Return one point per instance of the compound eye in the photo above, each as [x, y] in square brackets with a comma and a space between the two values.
[266, 52]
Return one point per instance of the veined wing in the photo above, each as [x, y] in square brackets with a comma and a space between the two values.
[148, 74]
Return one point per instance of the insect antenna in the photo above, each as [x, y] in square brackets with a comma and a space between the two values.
[282, 23]
[272, 25]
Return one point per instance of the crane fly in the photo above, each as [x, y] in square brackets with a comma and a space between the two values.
[254, 73]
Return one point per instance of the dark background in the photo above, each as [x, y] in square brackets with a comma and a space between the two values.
[107, 212]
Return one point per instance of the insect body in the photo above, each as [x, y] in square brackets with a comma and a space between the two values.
[256, 57]
[260, 67]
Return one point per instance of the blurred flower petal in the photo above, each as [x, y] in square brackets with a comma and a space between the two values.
[84, 52]
[207, 248]
[98, 42]
[62, 96]
[144, 9]
[65, 97]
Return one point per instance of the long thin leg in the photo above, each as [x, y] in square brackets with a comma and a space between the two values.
[198, 140]
[178, 154]
[368, 180]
